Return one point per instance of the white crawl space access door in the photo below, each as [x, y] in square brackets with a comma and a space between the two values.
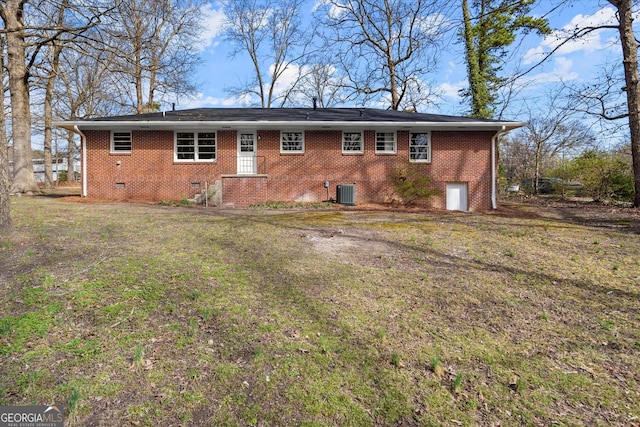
[457, 196]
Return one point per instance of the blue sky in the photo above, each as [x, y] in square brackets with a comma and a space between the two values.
[575, 62]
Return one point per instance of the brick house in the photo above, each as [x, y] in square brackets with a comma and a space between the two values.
[247, 155]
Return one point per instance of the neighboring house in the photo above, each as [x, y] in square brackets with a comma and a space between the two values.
[57, 165]
[253, 156]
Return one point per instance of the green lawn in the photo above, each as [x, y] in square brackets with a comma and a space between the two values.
[150, 315]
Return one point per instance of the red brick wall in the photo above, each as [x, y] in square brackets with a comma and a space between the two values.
[463, 157]
[150, 173]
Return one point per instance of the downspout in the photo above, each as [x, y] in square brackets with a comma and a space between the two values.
[494, 172]
[83, 148]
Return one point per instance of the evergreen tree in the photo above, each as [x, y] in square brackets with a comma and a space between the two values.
[490, 27]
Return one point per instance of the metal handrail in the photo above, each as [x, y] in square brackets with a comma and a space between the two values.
[199, 172]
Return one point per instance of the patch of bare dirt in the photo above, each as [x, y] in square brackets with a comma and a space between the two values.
[362, 247]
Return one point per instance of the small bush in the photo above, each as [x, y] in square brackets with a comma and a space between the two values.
[605, 176]
[411, 184]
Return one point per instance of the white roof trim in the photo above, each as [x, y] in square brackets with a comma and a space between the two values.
[273, 125]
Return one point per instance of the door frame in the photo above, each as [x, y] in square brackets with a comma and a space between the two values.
[243, 166]
[457, 196]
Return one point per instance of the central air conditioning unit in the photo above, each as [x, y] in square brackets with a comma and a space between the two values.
[346, 194]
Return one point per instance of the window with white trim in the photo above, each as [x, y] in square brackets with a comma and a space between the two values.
[352, 142]
[195, 147]
[386, 142]
[292, 142]
[420, 147]
[121, 141]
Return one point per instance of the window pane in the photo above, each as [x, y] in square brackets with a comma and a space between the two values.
[185, 139]
[206, 146]
[196, 146]
[386, 141]
[246, 142]
[121, 141]
[292, 141]
[185, 153]
[352, 141]
[207, 153]
[419, 147]
[185, 146]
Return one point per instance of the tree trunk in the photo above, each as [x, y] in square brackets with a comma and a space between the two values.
[536, 176]
[470, 53]
[630, 63]
[48, 119]
[56, 50]
[71, 154]
[5, 206]
[477, 85]
[23, 178]
[138, 80]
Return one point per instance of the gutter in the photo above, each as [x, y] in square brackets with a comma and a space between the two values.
[83, 148]
[494, 173]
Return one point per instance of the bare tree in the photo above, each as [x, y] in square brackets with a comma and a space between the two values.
[385, 49]
[87, 86]
[549, 137]
[24, 45]
[155, 42]
[516, 158]
[629, 45]
[272, 34]
[602, 99]
[12, 13]
[553, 135]
[55, 47]
[5, 208]
[85, 90]
[320, 83]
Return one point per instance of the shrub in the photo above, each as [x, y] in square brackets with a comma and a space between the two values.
[605, 176]
[411, 184]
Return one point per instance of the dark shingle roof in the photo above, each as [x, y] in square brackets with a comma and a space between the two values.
[280, 118]
[292, 115]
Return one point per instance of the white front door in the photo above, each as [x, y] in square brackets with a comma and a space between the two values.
[456, 196]
[247, 163]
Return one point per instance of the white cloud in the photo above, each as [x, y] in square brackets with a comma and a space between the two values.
[604, 16]
[334, 11]
[562, 72]
[212, 25]
[451, 90]
[201, 101]
[590, 42]
[434, 24]
[286, 79]
[317, 5]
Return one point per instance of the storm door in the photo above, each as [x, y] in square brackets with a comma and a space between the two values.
[247, 164]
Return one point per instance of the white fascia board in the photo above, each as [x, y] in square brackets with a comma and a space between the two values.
[276, 125]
